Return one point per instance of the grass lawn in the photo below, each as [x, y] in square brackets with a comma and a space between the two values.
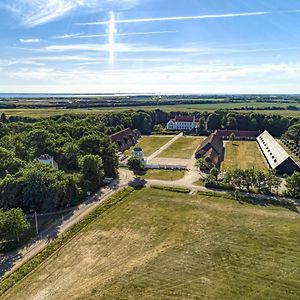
[150, 143]
[243, 155]
[164, 245]
[183, 148]
[164, 174]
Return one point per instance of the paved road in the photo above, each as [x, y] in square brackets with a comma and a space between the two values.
[10, 262]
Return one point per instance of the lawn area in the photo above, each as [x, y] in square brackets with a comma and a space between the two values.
[164, 174]
[243, 155]
[183, 148]
[164, 245]
[150, 143]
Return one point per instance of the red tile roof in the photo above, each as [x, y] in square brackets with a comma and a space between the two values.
[184, 119]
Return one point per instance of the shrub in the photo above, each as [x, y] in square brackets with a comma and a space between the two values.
[171, 189]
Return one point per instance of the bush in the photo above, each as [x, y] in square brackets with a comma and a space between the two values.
[11, 279]
[171, 189]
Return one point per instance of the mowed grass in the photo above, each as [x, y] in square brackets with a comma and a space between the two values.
[164, 245]
[164, 174]
[183, 148]
[243, 155]
[150, 144]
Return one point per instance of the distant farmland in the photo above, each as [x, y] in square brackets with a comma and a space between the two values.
[165, 245]
[259, 107]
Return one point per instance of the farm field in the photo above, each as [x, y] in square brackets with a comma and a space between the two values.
[210, 107]
[164, 174]
[164, 245]
[243, 155]
[150, 143]
[183, 148]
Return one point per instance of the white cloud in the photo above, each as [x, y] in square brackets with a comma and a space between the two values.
[37, 12]
[29, 40]
[211, 78]
[178, 18]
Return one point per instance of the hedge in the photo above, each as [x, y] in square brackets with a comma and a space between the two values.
[11, 279]
[171, 189]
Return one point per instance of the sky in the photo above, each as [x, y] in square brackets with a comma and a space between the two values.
[150, 46]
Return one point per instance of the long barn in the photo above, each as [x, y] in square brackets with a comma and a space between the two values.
[277, 158]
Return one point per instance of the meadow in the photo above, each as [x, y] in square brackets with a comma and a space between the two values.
[182, 148]
[150, 144]
[243, 155]
[158, 244]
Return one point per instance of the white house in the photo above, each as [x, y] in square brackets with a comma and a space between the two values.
[184, 123]
[48, 160]
[138, 152]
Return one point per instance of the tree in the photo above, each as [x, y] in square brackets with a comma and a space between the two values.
[92, 172]
[135, 164]
[202, 164]
[293, 185]
[68, 156]
[12, 223]
[9, 164]
[231, 123]
[272, 181]
[3, 118]
[213, 122]
[232, 137]
[293, 133]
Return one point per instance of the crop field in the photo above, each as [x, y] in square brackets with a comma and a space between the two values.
[183, 148]
[243, 155]
[200, 107]
[164, 174]
[150, 143]
[157, 244]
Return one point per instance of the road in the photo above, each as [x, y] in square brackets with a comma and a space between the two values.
[10, 262]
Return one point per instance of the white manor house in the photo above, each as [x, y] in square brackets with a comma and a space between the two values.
[184, 123]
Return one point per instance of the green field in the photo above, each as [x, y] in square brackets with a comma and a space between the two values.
[183, 148]
[161, 174]
[164, 245]
[210, 107]
[150, 143]
[243, 155]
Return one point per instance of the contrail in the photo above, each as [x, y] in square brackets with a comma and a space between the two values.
[216, 16]
[178, 18]
[111, 37]
[126, 34]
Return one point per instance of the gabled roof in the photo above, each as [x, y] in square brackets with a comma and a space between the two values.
[238, 133]
[215, 141]
[45, 157]
[184, 119]
[272, 150]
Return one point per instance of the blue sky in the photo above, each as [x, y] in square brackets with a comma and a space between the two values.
[150, 46]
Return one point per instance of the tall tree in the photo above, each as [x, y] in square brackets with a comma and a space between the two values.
[92, 172]
[213, 122]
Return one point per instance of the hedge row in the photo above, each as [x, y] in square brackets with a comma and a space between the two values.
[171, 189]
[216, 194]
[11, 279]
